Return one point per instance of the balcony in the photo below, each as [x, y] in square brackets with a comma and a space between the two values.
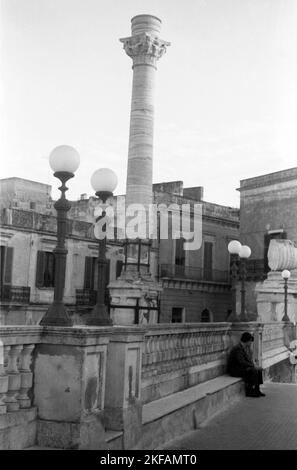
[197, 274]
[15, 294]
[89, 297]
[256, 270]
[85, 296]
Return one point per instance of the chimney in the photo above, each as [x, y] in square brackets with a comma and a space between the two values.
[194, 193]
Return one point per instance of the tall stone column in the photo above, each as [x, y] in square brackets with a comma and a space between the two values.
[145, 48]
[134, 296]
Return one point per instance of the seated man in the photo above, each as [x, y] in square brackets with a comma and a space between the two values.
[241, 364]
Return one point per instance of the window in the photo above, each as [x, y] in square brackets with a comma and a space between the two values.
[205, 315]
[90, 267]
[177, 315]
[6, 259]
[180, 252]
[180, 259]
[33, 205]
[91, 275]
[45, 271]
[207, 261]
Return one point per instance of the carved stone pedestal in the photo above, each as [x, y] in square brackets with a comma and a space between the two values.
[134, 299]
[270, 297]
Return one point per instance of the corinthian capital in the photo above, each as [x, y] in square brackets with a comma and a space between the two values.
[144, 48]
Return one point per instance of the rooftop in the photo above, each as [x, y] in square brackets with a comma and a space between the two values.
[269, 179]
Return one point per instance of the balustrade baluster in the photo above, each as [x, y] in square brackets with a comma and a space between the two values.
[26, 376]
[168, 347]
[3, 382]
[14, 378]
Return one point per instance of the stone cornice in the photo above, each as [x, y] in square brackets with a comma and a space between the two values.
[39, 232]
[6, 235]
[144, 48]
[221, 221]
[270, 179]
[195, 285]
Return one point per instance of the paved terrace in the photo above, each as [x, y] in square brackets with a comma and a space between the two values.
[268, 423]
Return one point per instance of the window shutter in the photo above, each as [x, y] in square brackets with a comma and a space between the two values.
[40, 267]
[207, 261]
[88, 272]
[8, 265]
[49, 269]
[2, 261]
[179, 252]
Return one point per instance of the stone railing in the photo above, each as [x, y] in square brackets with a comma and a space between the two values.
[15, 294]
[176, 357]
[16, 348]
[85, 296]
[194, 273]
[276, 339]
[83, 392]
[274, 336]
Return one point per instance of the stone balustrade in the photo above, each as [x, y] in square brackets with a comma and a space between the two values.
[15, 294]
[89, 381]
[275, 336]
[16, 347]
[276, 339]
[176, 357]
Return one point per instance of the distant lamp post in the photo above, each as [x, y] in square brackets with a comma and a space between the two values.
[286, 276]
[234, 248]
[243, 252]
[104, 182]
[64, 161]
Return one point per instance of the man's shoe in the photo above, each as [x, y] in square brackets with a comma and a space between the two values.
[252, 394]
[260, 394]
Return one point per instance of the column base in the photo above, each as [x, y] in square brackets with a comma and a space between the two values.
[98, 316]
[56, 315]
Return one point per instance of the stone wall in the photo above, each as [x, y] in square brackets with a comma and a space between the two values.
[107, 388]
[23, 193]
[266, 204]
[215, 298]
[178, 357]
[29, 232]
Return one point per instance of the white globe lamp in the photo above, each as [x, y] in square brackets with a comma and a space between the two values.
[234, 247]
[64, 158]
[245, 252]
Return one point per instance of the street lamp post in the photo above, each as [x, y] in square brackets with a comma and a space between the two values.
[64, 160]
[286, 276]
[104, 182]
[243, 252]
[234, 248]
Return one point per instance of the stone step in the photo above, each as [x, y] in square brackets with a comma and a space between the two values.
[158, 408]
[111, 435]
[114, 439]
[181, 412]
[41, 448]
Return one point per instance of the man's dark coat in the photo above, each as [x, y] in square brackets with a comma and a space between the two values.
[240, 360]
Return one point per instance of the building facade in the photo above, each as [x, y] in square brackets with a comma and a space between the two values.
[196, 284]
[268, 204]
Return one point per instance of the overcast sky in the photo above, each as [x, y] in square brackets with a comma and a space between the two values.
[226, 97]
